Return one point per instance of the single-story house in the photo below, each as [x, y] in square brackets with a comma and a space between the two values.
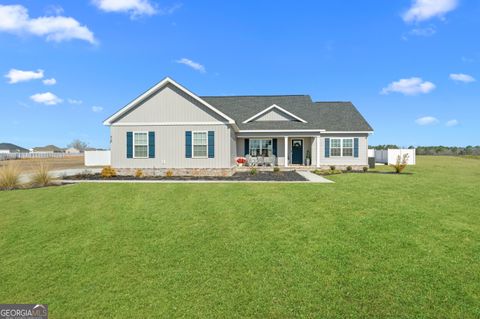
[170, 128]
[72, 150]
[11, 148]
[47, 149]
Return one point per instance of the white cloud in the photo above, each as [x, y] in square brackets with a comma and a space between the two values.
[426, 9]
[46, 98]
[15, 76]
[15, 19]
[423, 32]
[73, 101]
[411, 86]
[51, 81]
[97, 109]
[134, 7]
[194, 65]
[426, 120]
[460, 77]
[452, 123]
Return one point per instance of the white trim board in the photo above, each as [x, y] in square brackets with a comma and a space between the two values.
[167, 123]
[155, 88]
[278, 108]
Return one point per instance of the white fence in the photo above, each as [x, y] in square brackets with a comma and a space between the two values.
[390, 156]
[12, 156]
[97, 158]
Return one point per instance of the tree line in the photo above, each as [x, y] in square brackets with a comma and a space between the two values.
[436, 150]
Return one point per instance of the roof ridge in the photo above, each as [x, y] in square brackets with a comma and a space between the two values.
[254, 95]
[333, 102]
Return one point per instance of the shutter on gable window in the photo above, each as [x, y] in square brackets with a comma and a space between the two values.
[274, 146]
[129, 144]
[327, 147]
[211, 144]
[151, 144]
[188, 144]
[246, 147]
[355, 147]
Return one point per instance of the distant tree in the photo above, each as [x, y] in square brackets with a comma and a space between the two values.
[79, 145]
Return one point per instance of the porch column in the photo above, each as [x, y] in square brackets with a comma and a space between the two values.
[286, 151]
[317, 140]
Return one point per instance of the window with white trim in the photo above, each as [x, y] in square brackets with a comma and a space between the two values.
[341, 147]
[140, 144]
[261, 147]
[335, 147]
[347, 147]
[200, 144]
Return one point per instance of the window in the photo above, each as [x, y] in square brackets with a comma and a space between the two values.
[347, 147]
[261, 147]
[341, 147]
[140, 144]
[200, 144]
[335, 147]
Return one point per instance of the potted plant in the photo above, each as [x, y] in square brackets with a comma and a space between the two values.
[308, 158]
[241, 161]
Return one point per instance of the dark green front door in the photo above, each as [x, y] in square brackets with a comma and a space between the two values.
[297, 151]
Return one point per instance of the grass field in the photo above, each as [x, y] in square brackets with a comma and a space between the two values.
[370, 245]
[31, 164]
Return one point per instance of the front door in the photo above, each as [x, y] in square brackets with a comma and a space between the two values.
[297, 152]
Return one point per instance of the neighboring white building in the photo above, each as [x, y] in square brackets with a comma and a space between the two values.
[72, 150]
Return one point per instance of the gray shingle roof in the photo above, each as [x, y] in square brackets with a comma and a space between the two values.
[13, 148]
[330, 116]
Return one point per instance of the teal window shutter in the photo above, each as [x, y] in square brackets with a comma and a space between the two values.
[151, 144]
[247, 147]
[188, 144]
[211, 144]
[274, 146]
[355, 147]
[327, 147]
[129, 144]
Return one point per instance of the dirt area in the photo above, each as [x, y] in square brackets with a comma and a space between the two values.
[29, 165]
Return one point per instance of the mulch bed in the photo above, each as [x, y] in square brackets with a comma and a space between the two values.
[287, 176]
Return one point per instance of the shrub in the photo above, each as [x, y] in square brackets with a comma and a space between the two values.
[276, 169]
[253, 171]
[108, 172]
[332, 167]
[327, 171]
[365, 169]
[9, 176]
[139, 173]
[169, 173]
[349, 168]
[42, 176]
[401, 163]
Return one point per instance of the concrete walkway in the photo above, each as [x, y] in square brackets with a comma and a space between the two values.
[314, 178]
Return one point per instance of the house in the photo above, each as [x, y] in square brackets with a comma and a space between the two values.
[72, 150]
[170, 128]
[47, 149]
[11, 148]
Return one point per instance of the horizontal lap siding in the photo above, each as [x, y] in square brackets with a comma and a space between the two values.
[362, 158]
[170, 147]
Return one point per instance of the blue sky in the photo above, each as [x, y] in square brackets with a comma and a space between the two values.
[411, 67]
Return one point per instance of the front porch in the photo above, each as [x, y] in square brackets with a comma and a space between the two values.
[295, 151]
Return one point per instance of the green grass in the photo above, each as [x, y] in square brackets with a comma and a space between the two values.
[370, 245]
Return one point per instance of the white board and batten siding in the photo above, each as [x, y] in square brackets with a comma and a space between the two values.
[390, 156]
[170, 113]
[97, 158]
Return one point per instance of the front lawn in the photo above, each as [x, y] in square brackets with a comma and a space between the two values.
[370, 245]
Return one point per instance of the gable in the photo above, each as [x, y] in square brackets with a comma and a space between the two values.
[274, 115]
[167, 103]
